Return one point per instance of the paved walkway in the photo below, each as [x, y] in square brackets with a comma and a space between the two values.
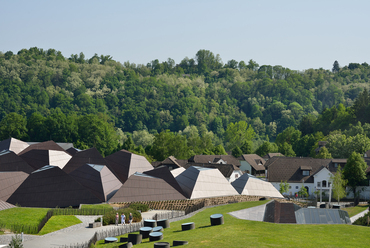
[76, 234]
[354, 218]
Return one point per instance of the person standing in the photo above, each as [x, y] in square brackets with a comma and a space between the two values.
[130, 218]
[117, 218]
[123, 219]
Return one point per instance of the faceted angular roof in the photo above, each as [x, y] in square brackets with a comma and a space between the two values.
[14, 145]
[142, 187]
[9, 161]
[165, 174]
[249, 185]
[177, 171]
[9, 182]
[4, 205]
[50, 187]
[73, 150]
[89, 156]
[47, 145]
[40, 158]
[98, 179]
[200, 182]
[226, 169]
[124, 163]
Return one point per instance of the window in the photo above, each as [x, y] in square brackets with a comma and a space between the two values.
[296, 187]
[319, 184]
[236, 175]
[305, 173]
[336, 165]
[324, 183]
[329, 184]
[290, 187]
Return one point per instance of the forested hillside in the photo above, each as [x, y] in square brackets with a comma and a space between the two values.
[203, 103]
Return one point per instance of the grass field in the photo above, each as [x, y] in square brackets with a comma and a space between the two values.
[96, 206]
[27, 216]
[243, 233]
[58, 222]
[352, 211]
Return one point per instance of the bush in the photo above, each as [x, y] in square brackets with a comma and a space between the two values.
[110, 217]
[139, 206]
[362, 221]
[16, 242]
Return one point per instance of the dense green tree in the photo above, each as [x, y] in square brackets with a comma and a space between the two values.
[336, 67]
[323, 153]
[286, 149]
[265, 148]
[13, 125]
[237, 133]
[237, 152]
[355, 173]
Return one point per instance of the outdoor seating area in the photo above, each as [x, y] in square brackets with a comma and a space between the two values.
[217, 219]
[188, 226]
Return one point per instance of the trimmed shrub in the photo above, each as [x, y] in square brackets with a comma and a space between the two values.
[139, 206]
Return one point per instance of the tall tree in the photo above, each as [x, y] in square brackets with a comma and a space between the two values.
[339, 184]
[336, 66]
[354, 173]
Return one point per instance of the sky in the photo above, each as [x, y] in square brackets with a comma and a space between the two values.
[295, 34]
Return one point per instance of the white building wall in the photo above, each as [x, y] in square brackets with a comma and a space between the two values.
[295, 187]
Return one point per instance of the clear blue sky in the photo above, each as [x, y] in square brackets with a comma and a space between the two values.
[295, 34]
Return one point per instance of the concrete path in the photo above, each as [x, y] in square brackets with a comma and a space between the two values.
[76, 234]
[357, 216]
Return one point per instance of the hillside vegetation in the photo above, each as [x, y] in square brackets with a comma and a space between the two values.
[199, 105]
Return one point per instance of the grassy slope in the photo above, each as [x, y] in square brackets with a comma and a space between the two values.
[96, 206]
[243, 233]
[27, 216]
[59, 222]
[352, 211]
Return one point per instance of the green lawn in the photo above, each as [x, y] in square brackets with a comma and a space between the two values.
[96, 206]
[27, 216]
[352, 211]
[243, 233]
[59, 222]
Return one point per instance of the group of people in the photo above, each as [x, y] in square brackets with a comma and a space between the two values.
[123, 219]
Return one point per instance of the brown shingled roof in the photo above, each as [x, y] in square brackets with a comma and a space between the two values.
[9, 182]
[255, 161]
[14, 145]
[289, 169]
[203, 159]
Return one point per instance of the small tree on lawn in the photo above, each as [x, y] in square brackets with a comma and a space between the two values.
[303, 192]
[354, 173]
[284, 187]
[339, 185]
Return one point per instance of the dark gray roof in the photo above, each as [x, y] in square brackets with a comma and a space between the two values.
[47, 145]
[124, 163]
[14, 145]
[270, 155]
[143, 187]
[225, 169]
[98, 179]
[50, 187]
[89, 156]
[9, 161]
[165, 174]
[9, 182]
